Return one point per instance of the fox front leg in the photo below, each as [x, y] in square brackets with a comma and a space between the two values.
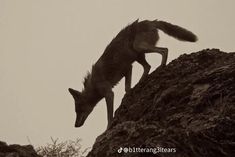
[128, 76]
[109, 98]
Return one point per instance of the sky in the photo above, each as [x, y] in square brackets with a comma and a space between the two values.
[47, 46]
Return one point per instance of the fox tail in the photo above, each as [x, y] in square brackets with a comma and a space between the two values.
[175, 31]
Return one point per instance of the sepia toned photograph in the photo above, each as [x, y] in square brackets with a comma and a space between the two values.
[115, 78]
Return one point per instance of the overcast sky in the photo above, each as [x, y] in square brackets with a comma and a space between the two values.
[47, 46]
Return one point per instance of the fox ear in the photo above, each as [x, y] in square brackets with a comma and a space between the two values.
[74, 93]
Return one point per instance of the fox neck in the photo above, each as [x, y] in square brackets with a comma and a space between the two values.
[91, 96]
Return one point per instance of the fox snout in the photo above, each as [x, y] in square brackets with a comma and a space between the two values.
[77, 125]
[80, 121]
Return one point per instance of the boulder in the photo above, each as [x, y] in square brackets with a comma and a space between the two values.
[185, 109]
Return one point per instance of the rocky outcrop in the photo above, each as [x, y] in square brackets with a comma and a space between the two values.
[186, 109]
[17, 150]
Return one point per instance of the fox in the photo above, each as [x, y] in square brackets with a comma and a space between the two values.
[130, 45]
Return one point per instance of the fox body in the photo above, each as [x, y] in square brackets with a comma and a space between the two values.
[128, 46]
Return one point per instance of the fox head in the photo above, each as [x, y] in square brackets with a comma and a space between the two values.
[82, 107]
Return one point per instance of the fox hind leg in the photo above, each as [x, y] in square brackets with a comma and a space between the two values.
[141, 60]
[148, 48]
[163, 51]
[164, 57]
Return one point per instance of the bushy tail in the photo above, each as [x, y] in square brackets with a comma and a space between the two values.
[176, 31]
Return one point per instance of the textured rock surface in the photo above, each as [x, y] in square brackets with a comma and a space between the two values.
[17, 150]
[188, 105]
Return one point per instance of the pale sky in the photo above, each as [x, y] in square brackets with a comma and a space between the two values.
[47, 46]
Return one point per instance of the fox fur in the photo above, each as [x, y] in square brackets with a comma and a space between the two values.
[130, 45]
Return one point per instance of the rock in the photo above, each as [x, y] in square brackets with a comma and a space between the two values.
[186, 109]
[17, 150]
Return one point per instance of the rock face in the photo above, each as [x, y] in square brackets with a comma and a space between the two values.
[186, 109]
[17, 150]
